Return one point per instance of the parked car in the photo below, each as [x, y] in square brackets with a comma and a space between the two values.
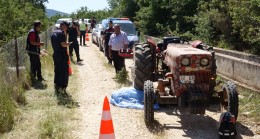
[57, 25]
[127, 26]
[96, 34]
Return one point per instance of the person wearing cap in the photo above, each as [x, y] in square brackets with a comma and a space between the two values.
[106, 37]
[82, 28]
[60, 57]
[118, 40]
[33, 48]
[73, 37]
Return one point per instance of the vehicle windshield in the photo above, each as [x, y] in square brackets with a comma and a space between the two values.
[128, 28]
[59, 21]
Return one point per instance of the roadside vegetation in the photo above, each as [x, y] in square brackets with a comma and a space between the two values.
[40, 115]
[17, 17]
[11, 96]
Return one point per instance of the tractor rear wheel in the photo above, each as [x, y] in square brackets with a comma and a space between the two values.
[148, 103]
[142, 69]
[229, 99]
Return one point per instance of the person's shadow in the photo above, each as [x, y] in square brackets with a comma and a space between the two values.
[66, 100]
[77, 63]
[41, 85]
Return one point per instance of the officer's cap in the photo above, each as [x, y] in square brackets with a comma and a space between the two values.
[37, 23]
[65, 23]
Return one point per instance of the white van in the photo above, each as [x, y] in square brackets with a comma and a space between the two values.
[57, 25]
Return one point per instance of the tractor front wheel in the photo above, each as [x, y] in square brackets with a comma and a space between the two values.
[229, 99]
[148, 103]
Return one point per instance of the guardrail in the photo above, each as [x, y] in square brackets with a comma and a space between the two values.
[241, 67]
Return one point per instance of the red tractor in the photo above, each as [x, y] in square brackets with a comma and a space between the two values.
[184, 74]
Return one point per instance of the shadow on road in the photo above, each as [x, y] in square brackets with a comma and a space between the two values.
[194, 126]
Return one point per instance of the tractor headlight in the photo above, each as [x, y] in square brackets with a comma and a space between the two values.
[185, 61]
[204, 61]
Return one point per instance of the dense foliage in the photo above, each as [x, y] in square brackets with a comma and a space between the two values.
[233, 24]
[84, 12]
[17, 16]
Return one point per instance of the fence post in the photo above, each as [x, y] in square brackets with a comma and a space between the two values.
[17, 58]
[46, 41]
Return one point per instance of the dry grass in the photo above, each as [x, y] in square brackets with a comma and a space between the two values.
[42, 117]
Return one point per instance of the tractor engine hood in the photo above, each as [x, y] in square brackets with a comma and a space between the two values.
[176, 52]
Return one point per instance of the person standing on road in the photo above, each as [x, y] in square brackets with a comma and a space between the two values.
[118, 40]
[33, 49]
[82, 28]
[110, 30]
[60, 57]
[73, 37]
[93, 23]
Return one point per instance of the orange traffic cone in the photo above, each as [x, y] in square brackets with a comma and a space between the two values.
[87, 37]
[70, 69]
[106, 126]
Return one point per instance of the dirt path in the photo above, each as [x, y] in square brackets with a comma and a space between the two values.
[96, 81]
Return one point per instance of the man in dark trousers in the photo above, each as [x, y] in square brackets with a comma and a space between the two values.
[73, 37]
[82, 28]
[118, 40]
[93, 23]
[33, 49]
[107, 34]
[60, 57]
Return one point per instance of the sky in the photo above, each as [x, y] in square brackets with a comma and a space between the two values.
[69, 6]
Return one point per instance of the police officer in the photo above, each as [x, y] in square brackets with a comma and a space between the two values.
[107, 34]
[118, 40]
[33, 49]
[60, 57]
[73, 37]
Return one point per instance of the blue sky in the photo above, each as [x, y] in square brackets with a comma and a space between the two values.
[69, 6]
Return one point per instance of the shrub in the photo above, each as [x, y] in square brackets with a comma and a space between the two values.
[122, 76]
[7, 110]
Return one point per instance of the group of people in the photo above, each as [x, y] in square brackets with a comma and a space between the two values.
[114, 38]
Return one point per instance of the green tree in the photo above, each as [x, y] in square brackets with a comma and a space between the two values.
[113, 3]
[84, 12]
[17, 18]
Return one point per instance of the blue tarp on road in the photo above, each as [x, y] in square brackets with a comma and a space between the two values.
[129, 98]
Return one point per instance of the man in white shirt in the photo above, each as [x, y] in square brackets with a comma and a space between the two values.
[118, 40]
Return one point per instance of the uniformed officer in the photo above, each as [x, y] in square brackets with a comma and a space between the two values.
[118, 40]
[33, 49]
[60, 57]
[107, 34]
[73, 37]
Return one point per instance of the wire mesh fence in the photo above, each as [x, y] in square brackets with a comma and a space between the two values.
[14, 57]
